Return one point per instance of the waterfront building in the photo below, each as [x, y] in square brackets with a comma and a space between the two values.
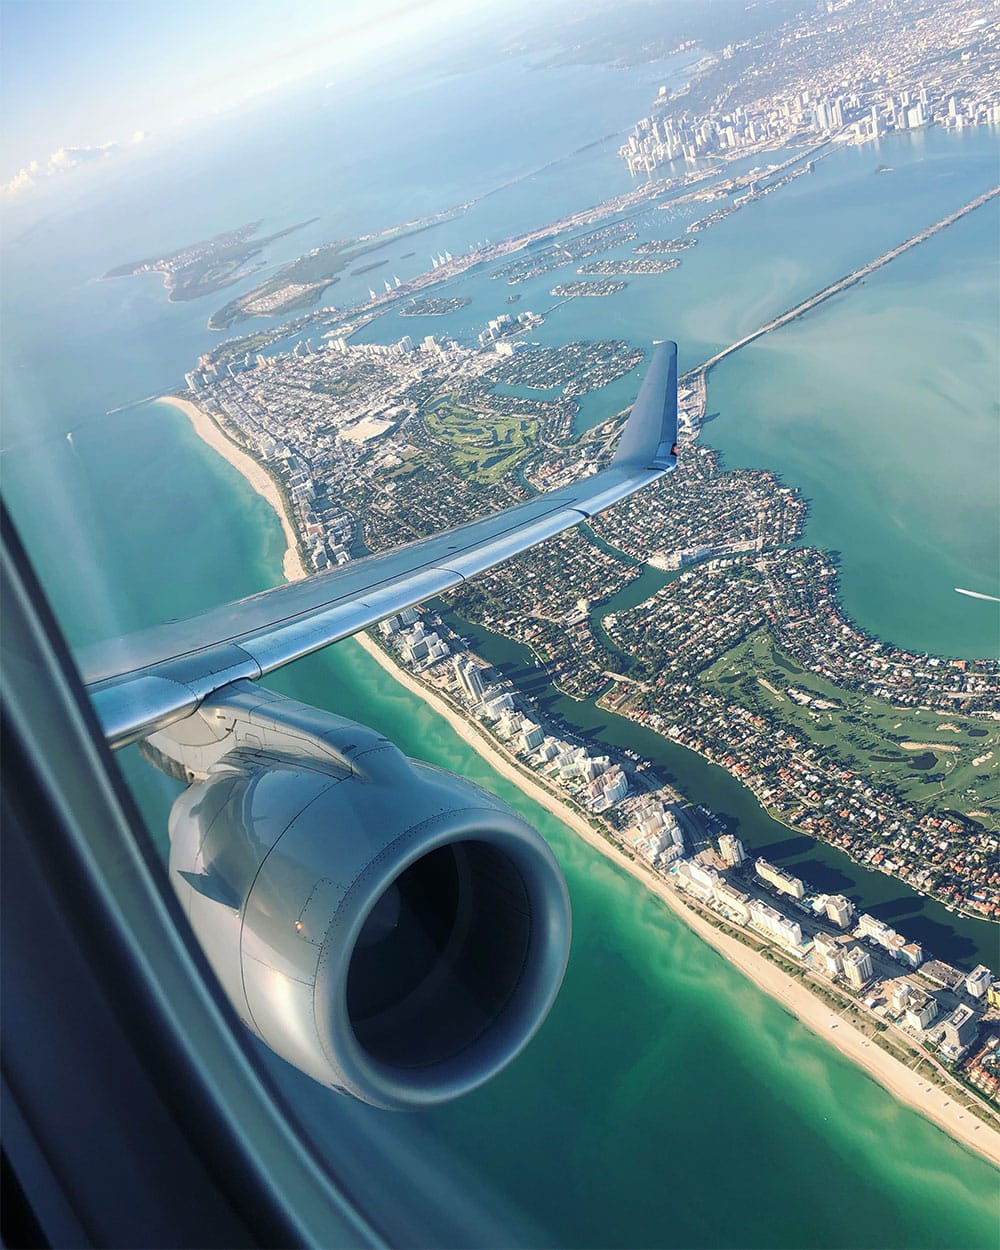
[920, 1010]
[942, 974]
[532, 736]
[993, 994]
[900, 996]
[959, 1031]
[732, 850]
[770, 921]
[548, 751]
[782, 881]
[858, 967]
[697, 880]
[732, 902]
[840, 910]
[494, 707]
[829, 954]
[978, 981]
[614, 785]
[909, 953]
[470, 677]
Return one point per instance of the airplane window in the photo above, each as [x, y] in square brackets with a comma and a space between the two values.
[477, 459]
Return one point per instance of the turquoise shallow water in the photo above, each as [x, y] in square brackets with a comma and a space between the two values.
[666, 1101]
[661, 1080]
[883, 406]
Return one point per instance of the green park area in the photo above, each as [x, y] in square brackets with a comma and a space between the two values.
[926, 755]
[482, 447]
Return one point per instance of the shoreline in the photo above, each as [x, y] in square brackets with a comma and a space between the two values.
[934, 1103]
[210, 432]
[940, 1107]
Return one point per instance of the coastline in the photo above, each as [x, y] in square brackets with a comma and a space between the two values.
[931, 1101]
[209, 432]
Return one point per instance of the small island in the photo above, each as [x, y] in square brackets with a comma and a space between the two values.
[569, 290]
[646, 265]
[660, 247]
[203, 268]
[434, 307]
[296, 285]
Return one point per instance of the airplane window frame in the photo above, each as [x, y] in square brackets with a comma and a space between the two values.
[77, 854]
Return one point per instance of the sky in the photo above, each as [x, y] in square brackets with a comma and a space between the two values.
[82, 79]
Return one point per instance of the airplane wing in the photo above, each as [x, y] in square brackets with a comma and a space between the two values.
[145, 681]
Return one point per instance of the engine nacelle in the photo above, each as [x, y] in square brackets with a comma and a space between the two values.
[390, 929]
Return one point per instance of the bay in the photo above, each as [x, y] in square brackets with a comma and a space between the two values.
[666, 1101]
[883, 407]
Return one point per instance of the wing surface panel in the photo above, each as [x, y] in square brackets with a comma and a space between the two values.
[144, 681]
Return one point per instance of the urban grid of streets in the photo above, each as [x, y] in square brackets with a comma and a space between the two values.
[373, 445]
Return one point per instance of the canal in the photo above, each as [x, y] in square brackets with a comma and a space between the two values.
[946, 935]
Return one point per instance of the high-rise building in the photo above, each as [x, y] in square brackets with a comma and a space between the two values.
[782, 881]
[959, 1030]
[697, 879]
[470, 677]
[900, 996]
[771, 921]
[978, 981]
[840, 910]
[829, 954]
[858, 967]
[733, 903]
[732, 851]
[909, 953]
[920, 1010]
[614, 783]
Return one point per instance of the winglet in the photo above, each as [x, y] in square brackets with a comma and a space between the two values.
[144, 682]
[649, 440]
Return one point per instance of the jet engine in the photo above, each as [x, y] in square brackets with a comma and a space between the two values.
[392, 930]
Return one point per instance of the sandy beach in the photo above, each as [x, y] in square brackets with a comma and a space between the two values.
[937, 1104]
[259, 479]
[931, 1101]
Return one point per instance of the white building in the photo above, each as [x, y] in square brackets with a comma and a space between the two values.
[978, 981]
[782, 881]
[858, 967]
[829, 955]
[840, 910]
[770, 921]
[732, 850]
[920, 1010]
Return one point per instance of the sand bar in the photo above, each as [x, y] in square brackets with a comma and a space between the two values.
[937, 1104]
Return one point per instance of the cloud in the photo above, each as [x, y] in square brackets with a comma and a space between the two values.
[63, 160]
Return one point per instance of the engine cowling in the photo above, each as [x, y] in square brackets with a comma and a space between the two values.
[390, 929]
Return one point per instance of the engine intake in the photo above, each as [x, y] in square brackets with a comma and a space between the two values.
[392, 930]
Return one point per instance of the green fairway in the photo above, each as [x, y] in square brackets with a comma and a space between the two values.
[483, 447]
[927, 756]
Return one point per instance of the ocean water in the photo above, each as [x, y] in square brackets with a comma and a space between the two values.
[666, 1101]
